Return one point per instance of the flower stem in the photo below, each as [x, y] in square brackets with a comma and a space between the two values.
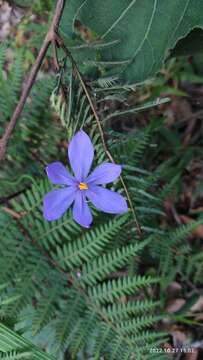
[86, 91]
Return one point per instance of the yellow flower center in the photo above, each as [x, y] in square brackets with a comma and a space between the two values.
[83, 186]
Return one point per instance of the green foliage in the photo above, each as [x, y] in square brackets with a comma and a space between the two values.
[151, 27]
[43, 5]
[76, 111]
[91, 264]
[100, 267]
[35, 139]
[96, 293]
[191, 268]
[15, 347]
[10, 87]
[69, 274]
[37, 5]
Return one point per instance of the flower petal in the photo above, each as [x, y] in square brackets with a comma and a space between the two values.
[56, 202]
[81, 212]
[104, 174]
[107, 200]
[58, 174]
[81, 153]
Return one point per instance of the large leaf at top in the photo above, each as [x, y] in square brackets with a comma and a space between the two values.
[132, 36]
[190, 45]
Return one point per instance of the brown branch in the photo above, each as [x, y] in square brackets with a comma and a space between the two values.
[5, 199]
[50, 38]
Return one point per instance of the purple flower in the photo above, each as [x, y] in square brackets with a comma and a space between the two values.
[82, 186]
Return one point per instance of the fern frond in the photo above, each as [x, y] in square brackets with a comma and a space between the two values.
[11, 343]
[82, 332]
[16, 76]
[46, 307]
[191, 267]
[102, 339]
[133, 326]
[2, 60]
[102, 266]
[89, 245]
[124, 310]
[16, 355]
[137, 108]
[70, 313]
[114, 289]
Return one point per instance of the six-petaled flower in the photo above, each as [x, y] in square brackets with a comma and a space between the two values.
[81, 187]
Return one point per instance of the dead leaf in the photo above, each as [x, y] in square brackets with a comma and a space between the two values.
[175, 305]
[198, 306]
[9, 17]
[174, 289]
[199, 318]
[179, 337]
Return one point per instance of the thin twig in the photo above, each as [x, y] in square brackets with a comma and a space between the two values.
[85, 89]
[14, 214]
[50, 38]
[5, 199]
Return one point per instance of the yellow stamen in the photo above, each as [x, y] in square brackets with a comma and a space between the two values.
[83, 186]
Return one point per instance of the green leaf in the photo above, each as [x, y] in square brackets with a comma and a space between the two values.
[134, 36]
[23, 3]
[10, 341]
[114, 289]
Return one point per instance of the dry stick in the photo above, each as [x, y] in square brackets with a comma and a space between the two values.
[61, 43]
[50, 37]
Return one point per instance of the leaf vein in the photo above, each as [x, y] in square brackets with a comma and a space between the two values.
[119, 19]
[146, 34]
